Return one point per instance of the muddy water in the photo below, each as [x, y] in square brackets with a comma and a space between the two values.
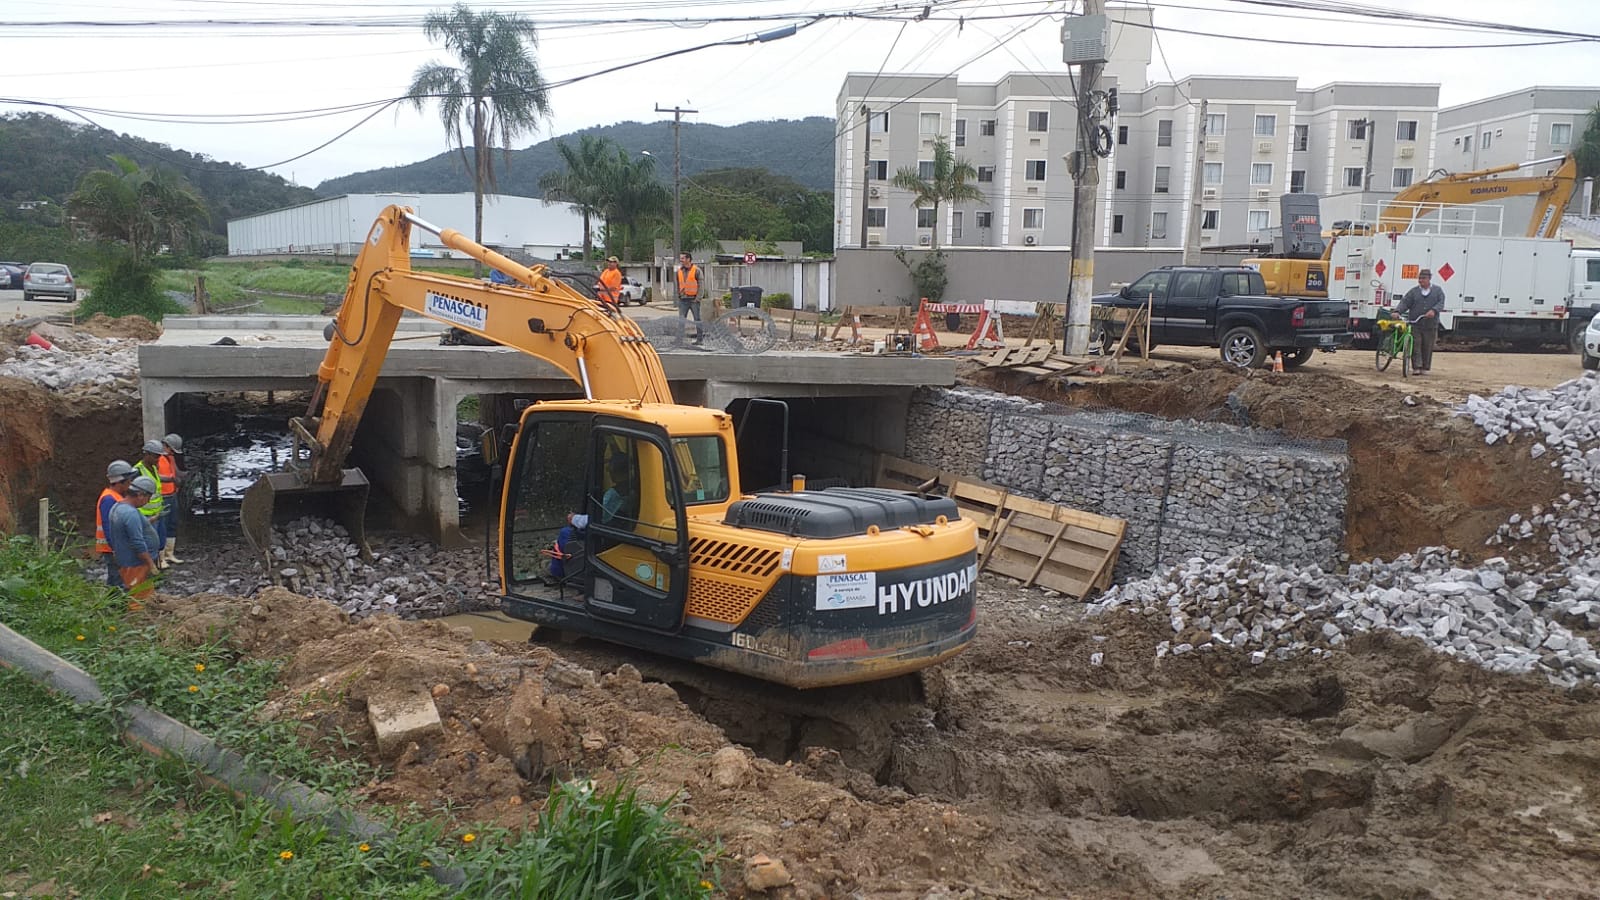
[492, 626]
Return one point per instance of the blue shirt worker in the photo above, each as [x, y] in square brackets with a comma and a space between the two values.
[131, 540]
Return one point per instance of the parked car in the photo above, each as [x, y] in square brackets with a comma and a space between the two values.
[52, 280]
[1227, 307]
[634, 292]
[11, 276]
[1591, 345]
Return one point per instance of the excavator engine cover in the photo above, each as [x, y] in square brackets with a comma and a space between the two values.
[285, 496]
[838, 512]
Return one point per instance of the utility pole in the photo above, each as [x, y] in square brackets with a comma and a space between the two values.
[1367, 126]
[1191, 234]
[866, 168]
[677, 178]
[1084, 41]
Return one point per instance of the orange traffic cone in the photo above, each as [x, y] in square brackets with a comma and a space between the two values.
[1277, 361]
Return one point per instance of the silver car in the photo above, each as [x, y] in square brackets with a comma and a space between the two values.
[52, 280]
[1591, 345]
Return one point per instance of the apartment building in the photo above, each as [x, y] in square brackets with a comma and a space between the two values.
[1520, 126]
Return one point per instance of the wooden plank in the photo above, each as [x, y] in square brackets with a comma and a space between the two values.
[1056, 539]
[995, 540]
[1085, 560]
[1019, 566]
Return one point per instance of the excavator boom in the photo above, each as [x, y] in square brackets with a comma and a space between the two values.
[1551, 193]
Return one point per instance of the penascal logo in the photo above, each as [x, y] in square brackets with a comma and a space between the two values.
[925, 592]
[461, 312]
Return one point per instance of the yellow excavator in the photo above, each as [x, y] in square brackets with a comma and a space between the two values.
[1302, 270]
[622, 516]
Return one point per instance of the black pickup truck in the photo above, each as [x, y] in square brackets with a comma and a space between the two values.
[1227, 307]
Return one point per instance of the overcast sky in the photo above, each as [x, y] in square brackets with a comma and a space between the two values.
[185, 68]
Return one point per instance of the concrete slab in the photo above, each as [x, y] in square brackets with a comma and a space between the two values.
[399, 719]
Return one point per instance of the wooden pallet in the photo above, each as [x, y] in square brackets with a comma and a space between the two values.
[1041, 362]
[1037, 543]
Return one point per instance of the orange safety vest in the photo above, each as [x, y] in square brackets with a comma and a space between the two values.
[167, 467]
[611, 286]
[689, 281]
[101, 545]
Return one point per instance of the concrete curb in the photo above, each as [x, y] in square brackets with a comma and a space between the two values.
[161, 735]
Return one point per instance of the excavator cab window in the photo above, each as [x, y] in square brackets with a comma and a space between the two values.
[549, 477]
[702, 468]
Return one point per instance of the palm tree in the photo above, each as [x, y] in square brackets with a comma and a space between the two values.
[582, 182]
[139, 207]
[952, 182]
[631, 197]
[498, 93]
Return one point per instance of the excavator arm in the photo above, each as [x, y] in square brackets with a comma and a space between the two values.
[603, 352]
[1552, 193]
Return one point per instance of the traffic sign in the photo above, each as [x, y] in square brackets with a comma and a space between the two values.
[749, 258]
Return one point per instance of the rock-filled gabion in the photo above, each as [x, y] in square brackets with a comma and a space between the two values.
[407, 577]
[1489, 614]
[1185, 488]
[100, 364]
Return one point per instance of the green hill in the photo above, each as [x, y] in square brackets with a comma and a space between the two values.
[801, 149]
[42, 158]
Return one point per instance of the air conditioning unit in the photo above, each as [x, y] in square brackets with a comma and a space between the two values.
[1209, 193]
[1030, 239]
[1213, 146]
[874, 238]
[1407, 152]
[924, 239]
[1033, 190]
[1264, 194]
[1263, 146]
[872, 192]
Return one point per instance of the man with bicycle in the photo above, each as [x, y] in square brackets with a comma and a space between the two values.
[1423, 304]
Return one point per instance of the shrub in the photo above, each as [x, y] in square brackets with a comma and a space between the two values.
[128, 288]
[777, 300]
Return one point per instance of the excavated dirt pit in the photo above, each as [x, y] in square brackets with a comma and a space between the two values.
[42, 437]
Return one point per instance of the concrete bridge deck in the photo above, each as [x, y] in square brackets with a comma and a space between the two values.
[408, 443]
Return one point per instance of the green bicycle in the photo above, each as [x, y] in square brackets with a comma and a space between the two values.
[1395, 341]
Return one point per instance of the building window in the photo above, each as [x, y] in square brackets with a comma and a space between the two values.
[986, 127]
[1038, 120]
[880, 170]
[1122, 179]
[1034, 170]
[1122, 134]
[1163, 179]
[1158, 226]
[928, 123]
[1209, 219]
[1402, 178]
[878, 123]
[1466, 144]
[1560, 133]
[1258, 220]
[1212, 173]
[1033, 217]
[1405, 130]
[985, 174]
[1356, 129]
[877, 216]
[984, 219]
[961, 132]
[1485, 140]
[1302, 137]
[1354, 177]
[926, 216]
[1266, 126]
[925, 169]
[1261, 173]
[955, 224]
[1297, 181]
[1164, 133]
[1216, 124]
[1116, 224]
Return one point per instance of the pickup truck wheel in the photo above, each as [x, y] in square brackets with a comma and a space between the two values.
[1243, 347]
[1298, 357]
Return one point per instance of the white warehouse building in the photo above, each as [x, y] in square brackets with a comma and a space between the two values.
[338, 225]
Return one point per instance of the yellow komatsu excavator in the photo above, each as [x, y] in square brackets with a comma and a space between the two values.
[1302, 270]
[622, 516]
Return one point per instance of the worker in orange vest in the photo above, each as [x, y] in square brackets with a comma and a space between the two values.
[688, 294]
[171, 477]
[609, 290]
[118, 474]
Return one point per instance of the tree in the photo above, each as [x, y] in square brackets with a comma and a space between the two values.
[1588, 151]
[754, 204]
[582, 180]
[140, 208]
[632, 197]
[697, 233]
[498, 93]
[952, 182]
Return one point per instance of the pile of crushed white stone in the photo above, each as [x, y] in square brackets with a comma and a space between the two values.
[78, 361]
[1496, 614]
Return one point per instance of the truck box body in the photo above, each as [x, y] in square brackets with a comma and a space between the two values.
[1513, 288]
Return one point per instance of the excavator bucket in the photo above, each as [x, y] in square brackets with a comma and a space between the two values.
[284, 496]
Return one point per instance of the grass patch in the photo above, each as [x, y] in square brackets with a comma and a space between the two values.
[83, 814]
